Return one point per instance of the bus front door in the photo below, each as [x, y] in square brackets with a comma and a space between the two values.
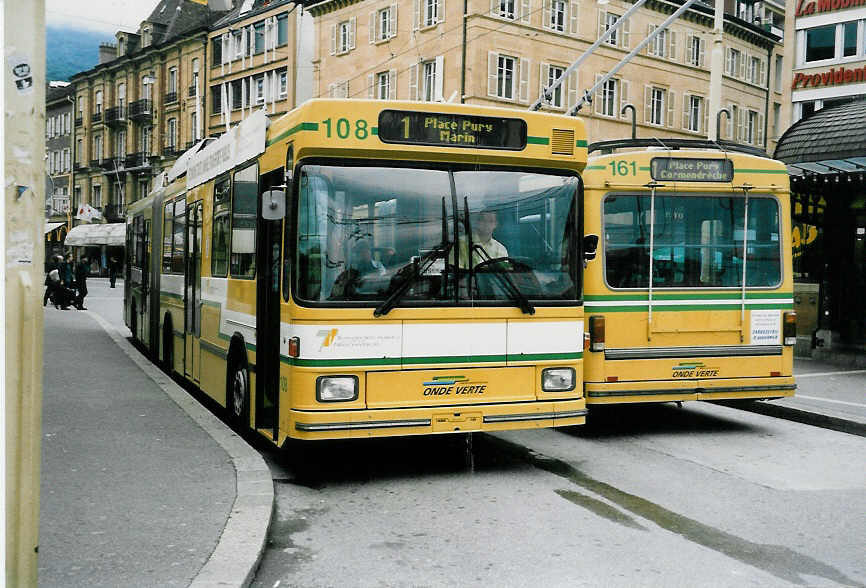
[192, 297]
[268, 326]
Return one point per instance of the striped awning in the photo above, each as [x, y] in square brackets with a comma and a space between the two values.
[113, 234]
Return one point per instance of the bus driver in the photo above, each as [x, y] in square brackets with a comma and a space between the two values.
[484, 245]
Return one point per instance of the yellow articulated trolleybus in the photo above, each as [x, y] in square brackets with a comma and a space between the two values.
[371, 268]
[691, 294]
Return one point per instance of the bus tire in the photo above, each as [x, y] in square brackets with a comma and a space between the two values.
[133, 320]
[167, 345]
[238, 391]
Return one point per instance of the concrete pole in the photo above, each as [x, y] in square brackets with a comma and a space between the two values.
[23, 238]
[717, 62]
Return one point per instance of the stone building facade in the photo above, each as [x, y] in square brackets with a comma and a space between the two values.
[505, 51]
[59, 98]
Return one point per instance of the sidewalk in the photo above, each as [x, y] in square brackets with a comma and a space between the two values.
[141, 485]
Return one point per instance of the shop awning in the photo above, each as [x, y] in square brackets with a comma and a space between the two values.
[51, 226]
[113, 234]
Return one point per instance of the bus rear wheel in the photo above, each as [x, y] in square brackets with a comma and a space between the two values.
[238, 394]
[167, 346]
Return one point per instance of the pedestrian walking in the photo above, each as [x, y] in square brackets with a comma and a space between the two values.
[112, 270]
[67, 271]
[81, 271]
[52, 282]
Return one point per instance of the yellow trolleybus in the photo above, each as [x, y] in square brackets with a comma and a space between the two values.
[370, 268]
[690, 296]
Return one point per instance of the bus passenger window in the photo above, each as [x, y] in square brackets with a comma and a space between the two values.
[221, 219]
[167, 232]
[178, 241]
[244, 206]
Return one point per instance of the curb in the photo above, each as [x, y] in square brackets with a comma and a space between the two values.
[240, 546]
[806, 417]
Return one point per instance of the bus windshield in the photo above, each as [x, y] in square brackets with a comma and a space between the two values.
[370, 234]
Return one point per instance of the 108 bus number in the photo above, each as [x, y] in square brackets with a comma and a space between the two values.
[343, 128]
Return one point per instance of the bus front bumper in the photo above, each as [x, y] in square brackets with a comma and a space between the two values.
[683, 390]
[338, 424]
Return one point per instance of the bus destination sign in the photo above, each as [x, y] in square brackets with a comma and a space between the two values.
[681, 169]
[451, 130]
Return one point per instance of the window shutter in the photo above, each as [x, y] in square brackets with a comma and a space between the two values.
[760, 133]
[392, 84]
[523, 89]
[545, 14]
[494, 7]
[623, 97]
[730, 123]
[372, 27]
[492, 73]
[392, 21]
[740, 125]
[438, 83]
[687, 49]
[762, 77]
[705, 107]
[672, 40]
[599, 94]
[371, 86]
[671, 97]
[440, 11]
[333, 40]
[573, 11]
[729, 58]
[651, 46]
[702, 51]
[331, 90]
[601, 17]
[352, 27]
[686, 109]
[413, 81]
[543, 74]
[648, 103]
[416, 22]
[624, 32]
[742, 65]
[571, 87]
[525, 10]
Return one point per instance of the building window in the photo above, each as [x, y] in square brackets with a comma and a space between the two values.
[96, 196]
[282, 29]
[143, 185]
[343, 36]
[821, 43]
[193, 126]
[259, 90]
[849, 39]
[428, 81]
[778, 81]
[505, 77]
[98, 100]
[172, 79]
[609, 20]
[558, 10]
[506, 9]
[120, 144]
[609, 95]
[97, 147]
[383, 85]
[695, 51]
[694, 113]
[777, 119]
[195, 69]
[755, 67]
[79, 148]
[145, 140]
[171, 133]
[121, 95]
[431, 13]
[383, 24]
[734, 62]
[145, 37]
[656, 106]
[658, 46]
[284, 84]
[146, 87]
[554, 73]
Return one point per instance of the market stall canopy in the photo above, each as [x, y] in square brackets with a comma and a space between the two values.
[51, 226]
[113, 234]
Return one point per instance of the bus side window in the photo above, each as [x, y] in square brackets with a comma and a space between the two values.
[168, 217]
[244, 205]
[221, 220]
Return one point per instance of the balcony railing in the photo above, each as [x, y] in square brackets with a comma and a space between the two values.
[96, 162]
[192, 91]
[96, 117]
[114, 212]
[79, 166]
[116, 115]
[141, 110]
[171, 150]
[138, 160]
[79, 121]
[170, 97]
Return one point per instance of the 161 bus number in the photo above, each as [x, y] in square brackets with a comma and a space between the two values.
[623, 168]
[343, 128]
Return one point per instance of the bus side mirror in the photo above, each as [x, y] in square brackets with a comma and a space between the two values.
[273, 205]
[590, 245]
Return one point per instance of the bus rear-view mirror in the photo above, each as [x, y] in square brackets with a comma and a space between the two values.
[273, 205]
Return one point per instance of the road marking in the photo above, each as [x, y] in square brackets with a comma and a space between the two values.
[829, 374]
[800, 396]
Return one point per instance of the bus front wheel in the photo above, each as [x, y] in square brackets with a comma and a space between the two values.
[238, 397]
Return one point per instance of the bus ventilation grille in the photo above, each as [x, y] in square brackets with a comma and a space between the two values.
[562, 142]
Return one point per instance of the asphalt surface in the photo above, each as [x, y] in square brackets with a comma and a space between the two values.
[144, 486]
[141, 485]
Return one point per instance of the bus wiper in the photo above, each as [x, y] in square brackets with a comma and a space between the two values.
[506, 282]
[416, 269]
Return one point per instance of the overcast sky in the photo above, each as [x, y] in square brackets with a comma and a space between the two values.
[98, 15]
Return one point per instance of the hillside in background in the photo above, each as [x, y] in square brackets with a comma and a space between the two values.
[69, 51]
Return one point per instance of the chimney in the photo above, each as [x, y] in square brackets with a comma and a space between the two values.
[107, 52]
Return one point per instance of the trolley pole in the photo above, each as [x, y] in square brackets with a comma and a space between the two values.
[23, 232]
[716, 64]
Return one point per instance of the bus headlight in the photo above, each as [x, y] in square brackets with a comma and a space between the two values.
[557, 379]
[336, 388]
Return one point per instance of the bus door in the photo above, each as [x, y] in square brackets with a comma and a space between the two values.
[268, 261]
[192, 297]
[143, 309]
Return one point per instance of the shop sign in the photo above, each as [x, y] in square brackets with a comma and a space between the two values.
[832, 77]
[807, 7]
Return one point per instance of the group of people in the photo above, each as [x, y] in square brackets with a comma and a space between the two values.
[66, 282]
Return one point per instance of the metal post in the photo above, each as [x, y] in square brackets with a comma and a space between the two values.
[716, 65]
[22, 276]
[631, 107]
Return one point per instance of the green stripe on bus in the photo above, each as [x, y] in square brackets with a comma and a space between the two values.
[723, 296]
[580, 143]
[537, 140]
[374, 131]
[595, 167]
[685, 307]
[761, 171]
[429, 360]
[307, 126]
